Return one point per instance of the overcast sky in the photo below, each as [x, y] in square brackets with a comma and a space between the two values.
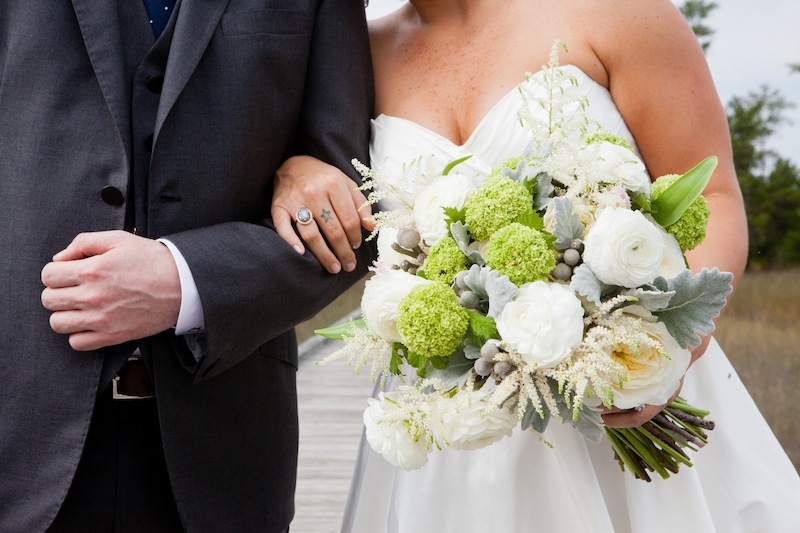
[754, 43]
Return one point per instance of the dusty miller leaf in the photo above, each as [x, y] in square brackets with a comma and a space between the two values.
[567, 226]
[460, 233]
[490, 286]
[650, 297]
[533, 420]
[455, 373]
[696, 301]
[585, 283]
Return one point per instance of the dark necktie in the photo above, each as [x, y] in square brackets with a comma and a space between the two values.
[159, 12]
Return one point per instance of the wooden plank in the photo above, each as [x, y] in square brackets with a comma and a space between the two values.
[331, 401]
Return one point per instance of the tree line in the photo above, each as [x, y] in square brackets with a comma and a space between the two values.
[770, 182]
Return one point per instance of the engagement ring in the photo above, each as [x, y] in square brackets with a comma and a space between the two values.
[303, 216]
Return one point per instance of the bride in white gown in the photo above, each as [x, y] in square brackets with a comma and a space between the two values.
[450, 69]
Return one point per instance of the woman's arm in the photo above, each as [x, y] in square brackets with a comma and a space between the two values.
[660, 81]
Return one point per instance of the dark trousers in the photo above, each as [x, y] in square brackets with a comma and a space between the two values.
[121, 484]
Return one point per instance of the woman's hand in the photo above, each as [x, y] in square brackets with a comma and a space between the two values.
[332, 201]
[629, 418]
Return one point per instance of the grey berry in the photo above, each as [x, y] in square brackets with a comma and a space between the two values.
[562, 272]
[502, 368]
[489, 351]
[483, 367]
[470, 299]
[408, 238]
[572, 257]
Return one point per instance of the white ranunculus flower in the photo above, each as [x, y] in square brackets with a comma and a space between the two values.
[617, 164]
[674, 262]
[382, 295]
[652, 377]
[387, 256]
[390, 433]
[623, 248]
[543, 323]
[445, 191]
[469, 420]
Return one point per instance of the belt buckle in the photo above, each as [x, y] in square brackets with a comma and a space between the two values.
[117, 394]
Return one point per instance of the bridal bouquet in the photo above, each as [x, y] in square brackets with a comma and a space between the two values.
[545, 290]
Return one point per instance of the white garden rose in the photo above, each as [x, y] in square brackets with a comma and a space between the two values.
[445, 191]
[653, 374]
[616, 164]
[623, 248]
[390, 433]
[381, 298]
[470, 420]
[543, 323]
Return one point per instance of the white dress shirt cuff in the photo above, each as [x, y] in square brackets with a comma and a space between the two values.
[190, 318]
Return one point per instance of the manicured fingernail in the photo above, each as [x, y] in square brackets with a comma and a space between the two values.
[349, 267]
[298, 249]
[335, 268]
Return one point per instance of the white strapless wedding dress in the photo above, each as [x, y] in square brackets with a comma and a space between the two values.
[742, 481]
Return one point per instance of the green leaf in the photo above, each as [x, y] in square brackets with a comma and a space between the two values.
[675, 199]
[339, 331]
[481, 328]
[696, 302]
[438, 362]
[453, 164]
[531, 219]
[398, 352]
[451, 214]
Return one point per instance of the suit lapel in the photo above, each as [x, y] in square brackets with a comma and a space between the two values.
[194, 27]
[99, 24]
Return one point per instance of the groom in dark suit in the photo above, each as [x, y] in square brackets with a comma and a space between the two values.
[147, 356]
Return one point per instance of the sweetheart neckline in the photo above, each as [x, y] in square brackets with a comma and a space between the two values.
[484, 119]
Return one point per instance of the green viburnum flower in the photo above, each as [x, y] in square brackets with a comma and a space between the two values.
[607, 136]
[497, 203]
[430, 320]
[445, 260]
[690, 229]
[521, 253]
[510, 163]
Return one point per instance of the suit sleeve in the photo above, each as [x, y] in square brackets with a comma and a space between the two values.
[252, 285]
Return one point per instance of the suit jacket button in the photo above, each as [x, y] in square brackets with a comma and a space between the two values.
[154, 84]
[112, 196]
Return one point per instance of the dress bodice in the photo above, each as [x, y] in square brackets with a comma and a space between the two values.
[498, 136]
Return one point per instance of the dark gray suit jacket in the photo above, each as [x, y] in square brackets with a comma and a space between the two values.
[246, 83]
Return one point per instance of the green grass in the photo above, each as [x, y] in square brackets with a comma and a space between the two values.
[759, 331]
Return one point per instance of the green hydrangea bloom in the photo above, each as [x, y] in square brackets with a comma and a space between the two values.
[430, 320]
[445, 260]
[521, 253]
[690, 229]
[496, 204]
[607, 136]
[511, 163]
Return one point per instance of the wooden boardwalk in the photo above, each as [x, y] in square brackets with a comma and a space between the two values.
[331, 400]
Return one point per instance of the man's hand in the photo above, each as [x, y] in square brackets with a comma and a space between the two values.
[110, 287]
